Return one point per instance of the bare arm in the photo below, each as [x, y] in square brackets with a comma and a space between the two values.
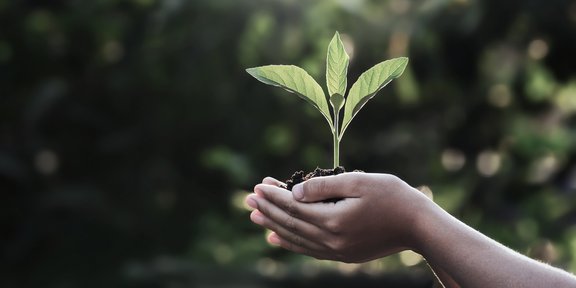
[474, 260]
[380, 215]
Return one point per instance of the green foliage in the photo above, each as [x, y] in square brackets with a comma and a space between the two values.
[369, 83]
[296, 80]
[336, 67]
[127, 126]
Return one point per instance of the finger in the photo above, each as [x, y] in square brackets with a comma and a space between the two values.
[273, 181]
[290, 227]
[274, 239]
[294, 238]
[250, 202]
[325, 188]
[284, 204]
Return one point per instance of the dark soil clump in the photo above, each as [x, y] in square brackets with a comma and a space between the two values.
[300, 176]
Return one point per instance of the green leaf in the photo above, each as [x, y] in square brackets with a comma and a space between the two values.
[296, 80]
[337, 102]
[368, 84]
[336, 67]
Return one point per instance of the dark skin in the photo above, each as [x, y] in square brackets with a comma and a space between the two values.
[380, 215]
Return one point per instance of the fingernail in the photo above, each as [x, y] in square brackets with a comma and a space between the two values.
[258, 189]
[256, 217]
[298, 191]
[251, 202]
[273, 239]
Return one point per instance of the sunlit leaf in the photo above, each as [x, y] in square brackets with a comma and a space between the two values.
[294, 79]
[368, 84]
[336, 67]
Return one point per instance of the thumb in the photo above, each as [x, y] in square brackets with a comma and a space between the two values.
[319, 189]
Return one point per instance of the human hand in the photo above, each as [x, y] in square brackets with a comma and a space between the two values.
[375, 217]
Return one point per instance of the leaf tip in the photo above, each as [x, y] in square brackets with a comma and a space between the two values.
[253, 72]
[403, 63]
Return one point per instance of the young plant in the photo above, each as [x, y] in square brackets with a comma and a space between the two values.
[298, 81]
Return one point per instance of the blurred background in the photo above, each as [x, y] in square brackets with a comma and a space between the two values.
[130, 132]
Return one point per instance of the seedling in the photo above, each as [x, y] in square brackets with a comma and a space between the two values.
[298, 81]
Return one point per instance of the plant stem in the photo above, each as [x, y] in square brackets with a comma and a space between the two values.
[336, 152]
[336, 139]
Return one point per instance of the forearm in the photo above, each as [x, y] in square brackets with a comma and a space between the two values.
[474, 260]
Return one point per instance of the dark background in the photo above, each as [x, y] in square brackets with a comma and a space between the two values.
[130, 132]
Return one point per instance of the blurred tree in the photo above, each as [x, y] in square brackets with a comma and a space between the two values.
[129, 131]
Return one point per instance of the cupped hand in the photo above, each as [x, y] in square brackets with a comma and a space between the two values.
[374, 216]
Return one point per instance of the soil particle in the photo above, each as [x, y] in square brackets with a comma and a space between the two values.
[300, 176]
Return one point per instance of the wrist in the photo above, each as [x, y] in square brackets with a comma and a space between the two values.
[426, 218]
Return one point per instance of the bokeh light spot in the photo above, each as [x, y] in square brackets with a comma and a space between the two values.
[238, 200]
[500, 95]
[47, 162]
[566, 98]
[538, 49]
[270, 268]
[348, 268]
[348, 43]
[543, 168]
[488, 163]
[410, 258]
[452, 159]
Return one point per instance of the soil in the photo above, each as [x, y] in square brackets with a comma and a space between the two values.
[300, 176]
